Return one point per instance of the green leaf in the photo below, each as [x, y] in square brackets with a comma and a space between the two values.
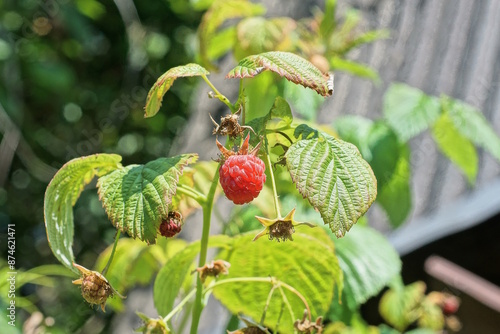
[171, 277]
[395, 194]
[327, 25]
[335, 179]
[280, 110]
[308, 264]
[367, 37]
[456, 147]
[409, 111]
[361, 70]
[286, 64]
[304, 101]
[257, 34]
[473, 125]
[136, 197]
[61, 196]
[163, 84]
[369, 263]
[221, 43]
[399, 306]
[220, 12]
[305, 131]
[356, 130]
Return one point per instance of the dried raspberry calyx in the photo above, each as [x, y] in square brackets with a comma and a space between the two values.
[242, 173]
[95, 287]
[307, 326]
[152, 326]
[229, 125]
[279, 228]
[213, 269]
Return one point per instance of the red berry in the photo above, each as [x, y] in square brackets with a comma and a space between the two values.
[172, 225]
[450, 305]
[242, 177]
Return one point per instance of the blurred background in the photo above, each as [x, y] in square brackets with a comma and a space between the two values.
[74, 76]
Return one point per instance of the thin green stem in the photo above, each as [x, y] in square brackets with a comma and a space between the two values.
[298, 294]
[179, 306]
[287, 303]
[273, 182]
[242, 102]
[218, 95]
[105, 270]
[193, 193]
[268, 301]
[207, 213]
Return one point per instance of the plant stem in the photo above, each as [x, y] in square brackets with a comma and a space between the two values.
[193, 193]
[268, 301]
[207, 213]
[218, 95]
[273, 182]
[105, 270]
[179, 306]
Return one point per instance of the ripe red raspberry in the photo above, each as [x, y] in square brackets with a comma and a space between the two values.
[242, 174]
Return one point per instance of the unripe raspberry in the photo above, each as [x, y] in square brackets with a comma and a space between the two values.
[172, 225]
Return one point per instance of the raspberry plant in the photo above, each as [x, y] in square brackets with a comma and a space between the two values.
[140, 199]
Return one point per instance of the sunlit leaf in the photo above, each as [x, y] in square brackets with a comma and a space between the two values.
[169, 280]
[136, 197]
[219, 12]
[361, 70]
[288, 65]
[61, 196]
[409, 111]
[335, 179]
[472, 124]
[308, 264]
[257, 35]
[165, 81]
[455, 146]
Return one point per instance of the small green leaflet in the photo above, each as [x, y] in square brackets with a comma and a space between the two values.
[288, 65]
[62, 194]
[136, 197]
[458, 148]
[335, 179]
[163, 84]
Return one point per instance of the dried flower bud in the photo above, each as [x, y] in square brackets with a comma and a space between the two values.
[95, 287]
[214, 269]
[306, 326]
[152, 326]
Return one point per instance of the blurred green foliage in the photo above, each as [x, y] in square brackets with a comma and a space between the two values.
[74, 76]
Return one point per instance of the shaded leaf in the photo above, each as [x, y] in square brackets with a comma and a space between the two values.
[61, 196]
[455, 146]
[280, 110]
[369, 263]
[171, 277]
[335, 179]
[286, 64]
[395, 194]
[305, 131]
[136, 197]
[165, 81]
[399, 306]
[308, 264]
[355, 129]
[409, 111]
[304, 101]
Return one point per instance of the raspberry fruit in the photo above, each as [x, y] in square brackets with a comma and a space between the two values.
[242, 174]
[172, 225]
